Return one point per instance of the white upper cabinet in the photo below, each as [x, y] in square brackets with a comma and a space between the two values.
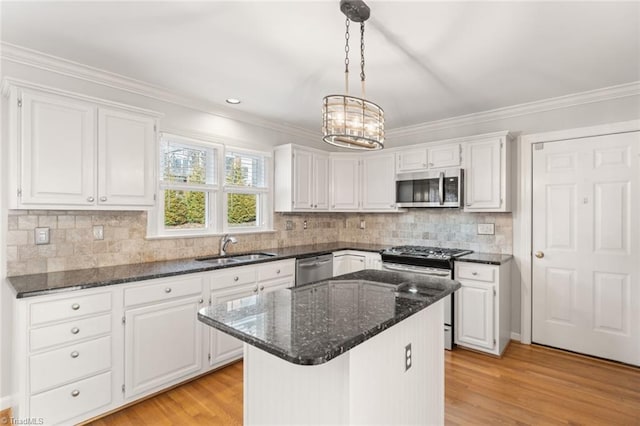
[126, 158]
[488, 175]
[411, 160]
[378, 183]
[75, 152]
[57, 150]
[345, 183]
[431, 157]
[301, 179]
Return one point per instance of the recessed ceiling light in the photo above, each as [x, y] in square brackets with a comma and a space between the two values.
[233, 101]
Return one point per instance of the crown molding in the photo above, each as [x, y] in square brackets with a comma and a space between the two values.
[597, 95]
[33, 58]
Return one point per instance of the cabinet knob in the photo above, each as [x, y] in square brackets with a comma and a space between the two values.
[468, 204]
[201, 301]
[75, 306]
[90, 199]
[430, 164]
[539, 254]
[261, 287]
[167, 290]
[75, 330]
[255, 290]
[236, 278]
[103, 198]
[75, 393]
[474, 273]
[392, 205]
[75, 354]
[278, 271]
[315, 206]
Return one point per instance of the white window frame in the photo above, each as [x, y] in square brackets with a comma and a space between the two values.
[264, 203]
[216, 220]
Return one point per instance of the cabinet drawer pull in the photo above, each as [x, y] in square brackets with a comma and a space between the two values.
[75, 393]
[103, 198]
[236, 278]
[75, 354]
[167, 290]
[75, 306]
[75, 330]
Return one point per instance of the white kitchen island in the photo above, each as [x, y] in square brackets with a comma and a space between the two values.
[335, 352]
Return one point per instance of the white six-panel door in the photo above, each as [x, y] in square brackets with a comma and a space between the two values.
[586, 246]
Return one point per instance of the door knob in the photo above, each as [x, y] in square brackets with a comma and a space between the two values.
[539, 254]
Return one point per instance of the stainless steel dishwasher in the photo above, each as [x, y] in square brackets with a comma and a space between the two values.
[314, 268]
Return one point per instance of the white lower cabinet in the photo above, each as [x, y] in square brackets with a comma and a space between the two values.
[83, 353]
[347, 261]
[482, 307]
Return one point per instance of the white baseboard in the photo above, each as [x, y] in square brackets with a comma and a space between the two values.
[6, 402]
[515, 336]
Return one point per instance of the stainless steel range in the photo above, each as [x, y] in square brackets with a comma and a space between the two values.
[436, 261]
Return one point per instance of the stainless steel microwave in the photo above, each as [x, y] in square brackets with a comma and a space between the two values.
[438, 188]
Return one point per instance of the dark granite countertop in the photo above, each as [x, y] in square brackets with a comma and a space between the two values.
[55, 282]
[487, 258]
[314, 323]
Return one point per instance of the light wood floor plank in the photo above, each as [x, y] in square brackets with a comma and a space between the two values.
[530, 385]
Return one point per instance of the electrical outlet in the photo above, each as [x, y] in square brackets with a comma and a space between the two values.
[288, 225]
[304, 225]
[363, 224]
[98, 232]
[486, 229]
[41, 236]
[407, 357]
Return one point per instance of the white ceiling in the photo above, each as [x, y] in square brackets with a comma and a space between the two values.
[425, 61]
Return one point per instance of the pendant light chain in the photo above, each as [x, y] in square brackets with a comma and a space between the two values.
[362, 76]
[346, 57]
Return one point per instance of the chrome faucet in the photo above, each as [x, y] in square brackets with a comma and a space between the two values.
[226, 239]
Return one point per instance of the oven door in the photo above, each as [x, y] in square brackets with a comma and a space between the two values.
[448, 301]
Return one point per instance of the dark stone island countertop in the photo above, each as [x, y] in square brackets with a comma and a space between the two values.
[314, 323]
[56, 282]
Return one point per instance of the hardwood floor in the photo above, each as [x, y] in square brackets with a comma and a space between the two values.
[529, 385]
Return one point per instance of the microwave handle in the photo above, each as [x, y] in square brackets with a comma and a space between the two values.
[441, 188]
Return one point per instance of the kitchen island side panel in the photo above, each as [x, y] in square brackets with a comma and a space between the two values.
[366, 385]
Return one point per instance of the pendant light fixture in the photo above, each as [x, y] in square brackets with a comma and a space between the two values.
[348, 121]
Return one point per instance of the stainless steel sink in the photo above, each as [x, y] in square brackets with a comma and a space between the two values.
[218, 260]
[251, 256]
[225, 260]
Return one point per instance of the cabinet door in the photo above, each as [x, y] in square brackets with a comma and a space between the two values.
[279, 284]
[443, 156]
[475, 320]
[341, 265]
[356, 263]
[57, 150]
[345, 183]
[223, 347]
[320, 182]
[373, 261]
[482, 175]
[378, 183]
[127, 158]
[302, 180]
[411, 160]
[163, 343]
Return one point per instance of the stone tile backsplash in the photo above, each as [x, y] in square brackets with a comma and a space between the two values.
[72, 245]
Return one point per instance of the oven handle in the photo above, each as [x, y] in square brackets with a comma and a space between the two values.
[441, 188]
[423, 272]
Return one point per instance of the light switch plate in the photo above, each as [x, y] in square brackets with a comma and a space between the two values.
[41, 236]
[289, 225]
[486, 229]
[98, 232]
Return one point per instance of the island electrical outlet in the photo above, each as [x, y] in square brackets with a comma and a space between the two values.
[407, 357]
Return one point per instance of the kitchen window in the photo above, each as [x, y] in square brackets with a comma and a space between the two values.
[206, 188]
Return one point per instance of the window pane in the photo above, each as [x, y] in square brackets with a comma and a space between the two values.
[182, 162]
[242, 210]
[185, 209]
[243, 169]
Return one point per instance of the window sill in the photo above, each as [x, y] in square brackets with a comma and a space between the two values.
[215, 234]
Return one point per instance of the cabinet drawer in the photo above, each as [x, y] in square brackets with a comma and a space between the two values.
[72, 307]
[60, 404]
[273, 270]
[477, 272]
[69, 363]
[68, 332]
[164, 290]
[233, 277]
